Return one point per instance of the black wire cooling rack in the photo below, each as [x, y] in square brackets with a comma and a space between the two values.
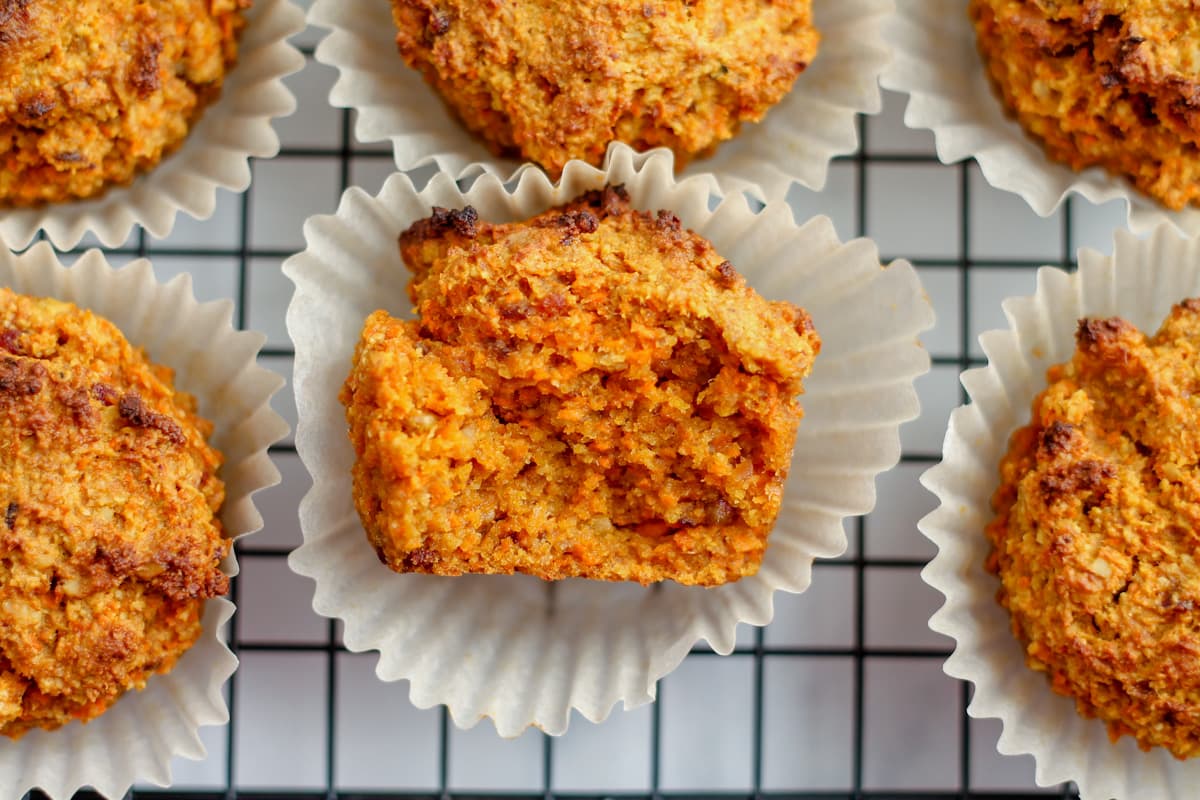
[861, 218]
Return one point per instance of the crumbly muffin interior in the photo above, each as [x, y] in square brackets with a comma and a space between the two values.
[92, 92]
[1097, 530]
[109, 543]
[594, 392]
[550, 81]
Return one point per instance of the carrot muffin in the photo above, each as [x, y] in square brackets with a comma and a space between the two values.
[93, 92]
[592, 392]
[1110, 84]
[552, 81]
[109, 544]
[1097, 530]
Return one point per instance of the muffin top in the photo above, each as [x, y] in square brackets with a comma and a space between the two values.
[108, 489]
[550, 81]
[94, 91]
[1109, 84]
[1097, 529]
[593, 392]
[1146, 45]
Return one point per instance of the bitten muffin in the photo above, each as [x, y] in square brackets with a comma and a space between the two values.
[109, 544]
[93, 93]
[1110, 84]
[592, 392]
[552, 81]
[1097, 530]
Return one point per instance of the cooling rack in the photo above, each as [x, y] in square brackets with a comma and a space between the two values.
[842, 696]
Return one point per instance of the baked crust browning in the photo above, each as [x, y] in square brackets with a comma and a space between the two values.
[1110, 83]
[93, 93]
[109, 544]
[549, 81]
[594, 392]
[1097, 530]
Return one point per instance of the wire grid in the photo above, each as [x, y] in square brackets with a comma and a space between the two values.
[758, 647]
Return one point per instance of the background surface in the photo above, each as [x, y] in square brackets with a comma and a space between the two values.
[842, 696]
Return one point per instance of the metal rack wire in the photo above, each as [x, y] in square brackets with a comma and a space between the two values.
[759, 650]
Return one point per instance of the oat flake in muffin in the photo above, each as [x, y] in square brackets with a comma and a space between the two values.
[92, 92]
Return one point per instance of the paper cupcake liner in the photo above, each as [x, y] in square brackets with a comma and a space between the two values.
[516, 649]
[795, 142]
[215, 155]
[136, 738]
[935, 62]
[1140, 282]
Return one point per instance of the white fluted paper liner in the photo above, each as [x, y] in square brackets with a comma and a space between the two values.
[136, 738]
[935, 62]
[215, 155]
[524, 652]
[814, 122]
[1140, 282]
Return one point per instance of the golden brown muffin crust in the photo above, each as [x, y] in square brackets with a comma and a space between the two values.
[1111, 83]
[550, 81]
[593, 392]
[92, 92]
[1097, 530]
[108, 544]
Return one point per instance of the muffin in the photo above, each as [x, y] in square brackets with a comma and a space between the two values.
[93, 93]
[1096, 530]
[591, 643]
[1108, 84]
[110, 544]
[548, 82]
[593, 392]
[1101, 467]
